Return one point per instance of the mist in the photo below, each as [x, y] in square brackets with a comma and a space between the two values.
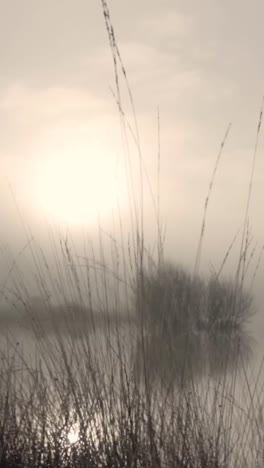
[131, 198]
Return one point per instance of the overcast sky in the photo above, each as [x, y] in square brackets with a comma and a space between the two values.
[200, 63]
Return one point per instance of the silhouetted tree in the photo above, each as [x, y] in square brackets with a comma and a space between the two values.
[193, 325]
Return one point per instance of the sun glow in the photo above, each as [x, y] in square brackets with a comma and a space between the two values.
[73, 435]
[75, 186]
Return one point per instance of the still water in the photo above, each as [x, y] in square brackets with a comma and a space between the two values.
[110, 339]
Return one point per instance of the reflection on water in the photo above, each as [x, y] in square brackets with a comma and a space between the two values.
[175, 348]
[169, 359]
[188, 356]
[192, 327]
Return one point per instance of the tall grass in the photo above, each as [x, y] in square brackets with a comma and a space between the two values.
[136, 362]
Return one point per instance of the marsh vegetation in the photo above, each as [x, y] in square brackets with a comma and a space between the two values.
[135, 361]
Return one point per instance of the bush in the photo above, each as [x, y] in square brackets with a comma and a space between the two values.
[193, 325]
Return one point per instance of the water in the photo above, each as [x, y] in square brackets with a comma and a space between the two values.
[240, 391]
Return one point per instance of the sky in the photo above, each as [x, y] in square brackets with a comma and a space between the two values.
[200, 63]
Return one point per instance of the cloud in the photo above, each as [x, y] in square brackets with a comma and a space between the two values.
[26, 103]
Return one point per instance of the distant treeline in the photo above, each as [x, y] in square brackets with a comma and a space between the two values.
[69, 318]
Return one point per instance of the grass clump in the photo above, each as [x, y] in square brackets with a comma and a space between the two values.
[77, 407]
[163, 384]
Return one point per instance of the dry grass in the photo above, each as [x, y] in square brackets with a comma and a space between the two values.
[118, 412]
[171, 389]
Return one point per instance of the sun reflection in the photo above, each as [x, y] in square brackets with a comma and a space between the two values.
[73, 435]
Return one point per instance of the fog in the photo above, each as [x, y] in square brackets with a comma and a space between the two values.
[61, 147]
[131, 233]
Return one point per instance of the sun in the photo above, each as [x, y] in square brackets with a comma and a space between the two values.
[76, 185]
